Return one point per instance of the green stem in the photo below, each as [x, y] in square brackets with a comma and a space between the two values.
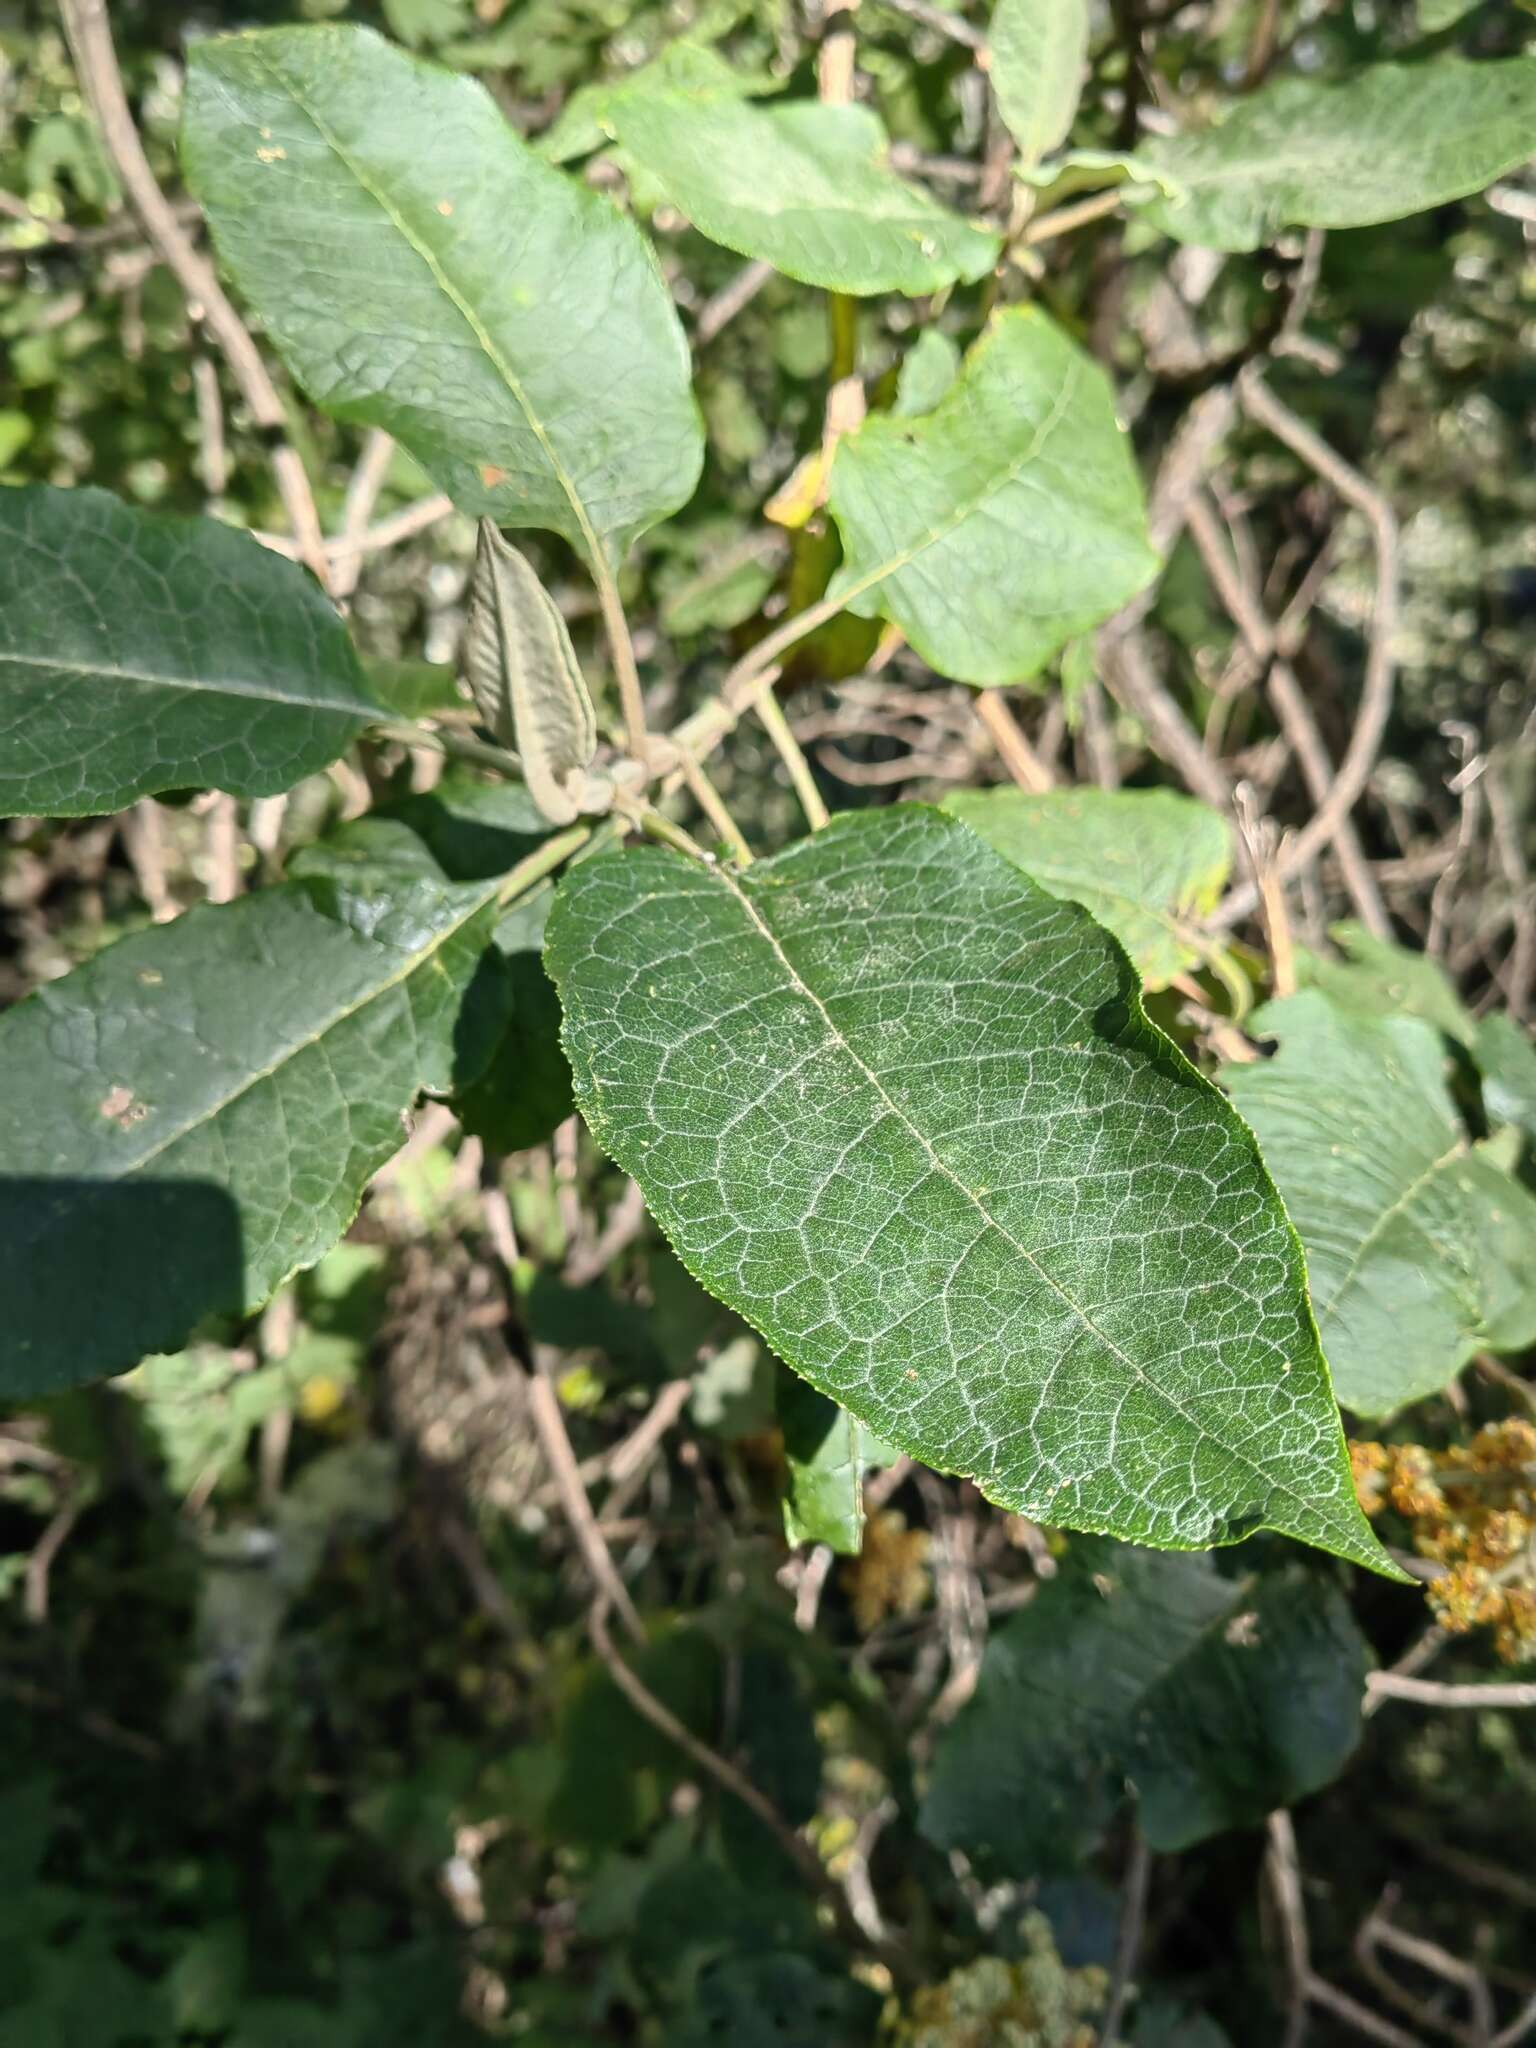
[541, 862]
[458, 746]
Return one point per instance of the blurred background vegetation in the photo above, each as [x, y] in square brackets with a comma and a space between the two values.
[304, 1739]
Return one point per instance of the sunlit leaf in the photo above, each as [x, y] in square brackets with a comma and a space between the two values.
[421, 269]
[901, 1109]
[999, 526]
[140, 653]
[1304, 152]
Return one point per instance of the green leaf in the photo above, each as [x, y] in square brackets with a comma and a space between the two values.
[1377, 978]
[197, 1111]
[140, 653]
[1393, 140]
[1148, 863]
[803, 186]
[586, 121]
[468, 831]
[827, 1451]
[1230, 1697]
[1505, 1054]
[902, 1110]
[1039, 54]
[420, 269]
[1418, 1241]
[1005, 522]
[929, 367]
[523, 673]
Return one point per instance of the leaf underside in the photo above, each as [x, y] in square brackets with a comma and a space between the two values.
[140, 653]
[901, 1109]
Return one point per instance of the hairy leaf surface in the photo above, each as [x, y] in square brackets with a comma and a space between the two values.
[901, 1109]
[1229, 1698]
[244, 1069]
[140, 653]
[524, 675]
[1039, 56]
[1393, 140]
[1418, 1240]
[1005, 522]
[803, 186]
[421, 269]
[1148, 863]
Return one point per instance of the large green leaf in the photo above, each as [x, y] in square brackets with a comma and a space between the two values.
[1393, 140]
[1148, 863]
[1228, 1698]
[801, 185]
[421, 269]
[193, 1116]
[902, 1110]
[1039, 57]
[141, 653]
[1005, 522]
[1418, 1240]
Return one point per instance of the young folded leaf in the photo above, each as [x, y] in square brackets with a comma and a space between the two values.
[140, 653]
[902, 1110]
[522, 669]
[1395, 139]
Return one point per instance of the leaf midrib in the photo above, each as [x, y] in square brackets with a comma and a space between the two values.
[840, 1040]
[460, 303]
[361, 710]
[968, 507]
[1394, 1209]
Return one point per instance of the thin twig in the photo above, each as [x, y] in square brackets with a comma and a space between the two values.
[1431, 1692]
[771, 714]
[734, 1781]
[734, 297]
[1013, 749]
[34, 1598]
[1282, 1867]
[357, 509]
[1061, 220]
[1376, 691]
[90, 40]
[714, 807]
[555, 1442]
